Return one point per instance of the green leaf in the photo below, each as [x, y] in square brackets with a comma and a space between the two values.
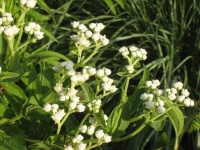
[49, 35]
[100, 118]
[13, 89]
[50, 54]
[37, 16]
[176, 117]
[121, 3]
[159, 123]
[43, 5]
[195, 125]
[111, 5]
[6, 76]
[88, 93]
[162, 141]
[112, 117]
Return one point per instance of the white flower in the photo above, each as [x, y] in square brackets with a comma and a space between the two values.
[47, 107]
[68, 147]
[95, 37]
[185, 92]
[161, 103]
[57, 117]
[11, 30]
[54, 107]
[100, 73]
[90, 130]
[107, 138]
[181, 98]
[149, 104]
[107, 71]
[73, 105]
[148, 83]
[172, 96]
[82, 27]
[88, 33]
[80, 108]
[191, 103]
[71, 72]
[75, 24]
[71, 92]
[22, 2]
[81, 146]
[158, 92]
[113, 88]
[68, 65]
[132, 48]
[83, 128]
[31, 3]
[144, 96]
[161, 109]
[99, 134]
[178, 85]
[92, 25]
[83, 42]
[187, 102]
[104, 40]
[58, 88]
[39, 35]
[78, 138]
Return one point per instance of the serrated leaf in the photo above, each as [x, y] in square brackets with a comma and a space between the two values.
[158, 124]
[195, 125]
[112, 117]
[88, 93]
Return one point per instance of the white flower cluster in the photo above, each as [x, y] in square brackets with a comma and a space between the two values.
[95, 105]
[179, 95]
[76, 144]
[106, 81]
[154, 98]
[5, 25]
[90, 130]
[133, 55]
[28, 3]
[57, 114]
[133, 52]
[34, 30]
[85, 35]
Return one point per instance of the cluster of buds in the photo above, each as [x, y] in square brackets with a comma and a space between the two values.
[5, 25]
[76, 143]
[94, 105]
[133, 55]
[34, 30]
[94, 129]
[156, 97]
[28, 3]
[106, 81]
[57, 114]
[179, 95]
[86, 35]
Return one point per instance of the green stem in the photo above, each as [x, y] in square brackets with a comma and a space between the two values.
[133, 133]
[23, 45]
[62, 121]
[12, 120]
[82, 121]
[80, 50]
[88, 58]
[122, 102]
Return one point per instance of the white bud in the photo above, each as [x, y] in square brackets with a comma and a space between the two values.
[161, 109]
[73, 105]
[68, 147]
[11, 30]
[83, 128]
[31, 3]
[38, 35]
[92, 25]
[90, 130]
[144, 96]
[185, 92]
[47, 107]
[80, 108]
[187, 102]
[172, 96]
[88, 33]
[81, 146]
[99, 134]
[107, 138]
[75, 24]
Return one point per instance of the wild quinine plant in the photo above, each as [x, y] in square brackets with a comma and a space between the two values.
[60, 106]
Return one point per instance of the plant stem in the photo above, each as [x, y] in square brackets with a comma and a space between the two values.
[62, 121]
[12, 120]
[122, 102]
[82, 121]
